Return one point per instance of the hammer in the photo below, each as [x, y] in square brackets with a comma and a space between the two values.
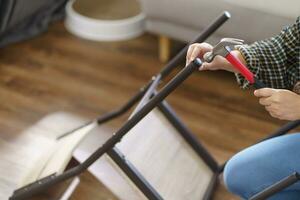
[224, 48]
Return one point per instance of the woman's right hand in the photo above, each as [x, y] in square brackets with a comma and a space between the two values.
[198, 50]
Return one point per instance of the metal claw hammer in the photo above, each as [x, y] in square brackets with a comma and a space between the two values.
[224, 48]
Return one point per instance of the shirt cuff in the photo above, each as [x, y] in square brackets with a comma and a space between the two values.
[252, 61]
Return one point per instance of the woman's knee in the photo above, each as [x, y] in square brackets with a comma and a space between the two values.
[261, 165]
[243, 174]
[235, 176]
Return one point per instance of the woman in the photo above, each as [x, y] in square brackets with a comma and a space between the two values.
[275, 61]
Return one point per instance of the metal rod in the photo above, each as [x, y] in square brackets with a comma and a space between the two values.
[180, 57]
[188, 136]
[133, 174]
[277, 187]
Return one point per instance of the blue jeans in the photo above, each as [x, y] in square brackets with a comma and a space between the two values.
[257, 167]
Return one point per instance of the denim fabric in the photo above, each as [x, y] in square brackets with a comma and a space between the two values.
[257, 167]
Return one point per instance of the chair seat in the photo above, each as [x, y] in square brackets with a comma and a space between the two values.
[159, 153]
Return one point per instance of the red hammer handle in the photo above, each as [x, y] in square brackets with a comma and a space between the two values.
[240, 67]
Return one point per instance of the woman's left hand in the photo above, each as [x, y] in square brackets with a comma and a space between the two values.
[281, 104]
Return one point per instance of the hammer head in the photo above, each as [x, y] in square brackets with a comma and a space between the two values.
[222, 48]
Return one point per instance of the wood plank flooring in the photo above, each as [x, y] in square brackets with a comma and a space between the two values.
[59, 72]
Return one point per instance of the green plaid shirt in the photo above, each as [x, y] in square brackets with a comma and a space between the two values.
[275, 61]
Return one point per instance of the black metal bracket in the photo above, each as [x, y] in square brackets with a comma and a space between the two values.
[133, 174]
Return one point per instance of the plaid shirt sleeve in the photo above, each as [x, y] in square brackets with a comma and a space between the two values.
[275, 61]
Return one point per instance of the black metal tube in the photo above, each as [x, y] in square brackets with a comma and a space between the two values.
[188, 136]
[134, 175]
[277, 187]
[180, 57]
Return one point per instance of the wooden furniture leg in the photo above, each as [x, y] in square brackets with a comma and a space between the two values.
[164, 48]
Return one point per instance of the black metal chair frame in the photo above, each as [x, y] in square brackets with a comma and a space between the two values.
[150, 99]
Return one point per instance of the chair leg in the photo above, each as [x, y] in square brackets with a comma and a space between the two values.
[164, 48]
[277, 187]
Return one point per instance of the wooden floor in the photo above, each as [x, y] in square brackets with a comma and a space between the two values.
[59, 72]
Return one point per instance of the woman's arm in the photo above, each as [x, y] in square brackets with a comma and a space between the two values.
[275, 61]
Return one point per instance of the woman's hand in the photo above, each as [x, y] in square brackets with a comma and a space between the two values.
[281, 104]
[198, 50]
